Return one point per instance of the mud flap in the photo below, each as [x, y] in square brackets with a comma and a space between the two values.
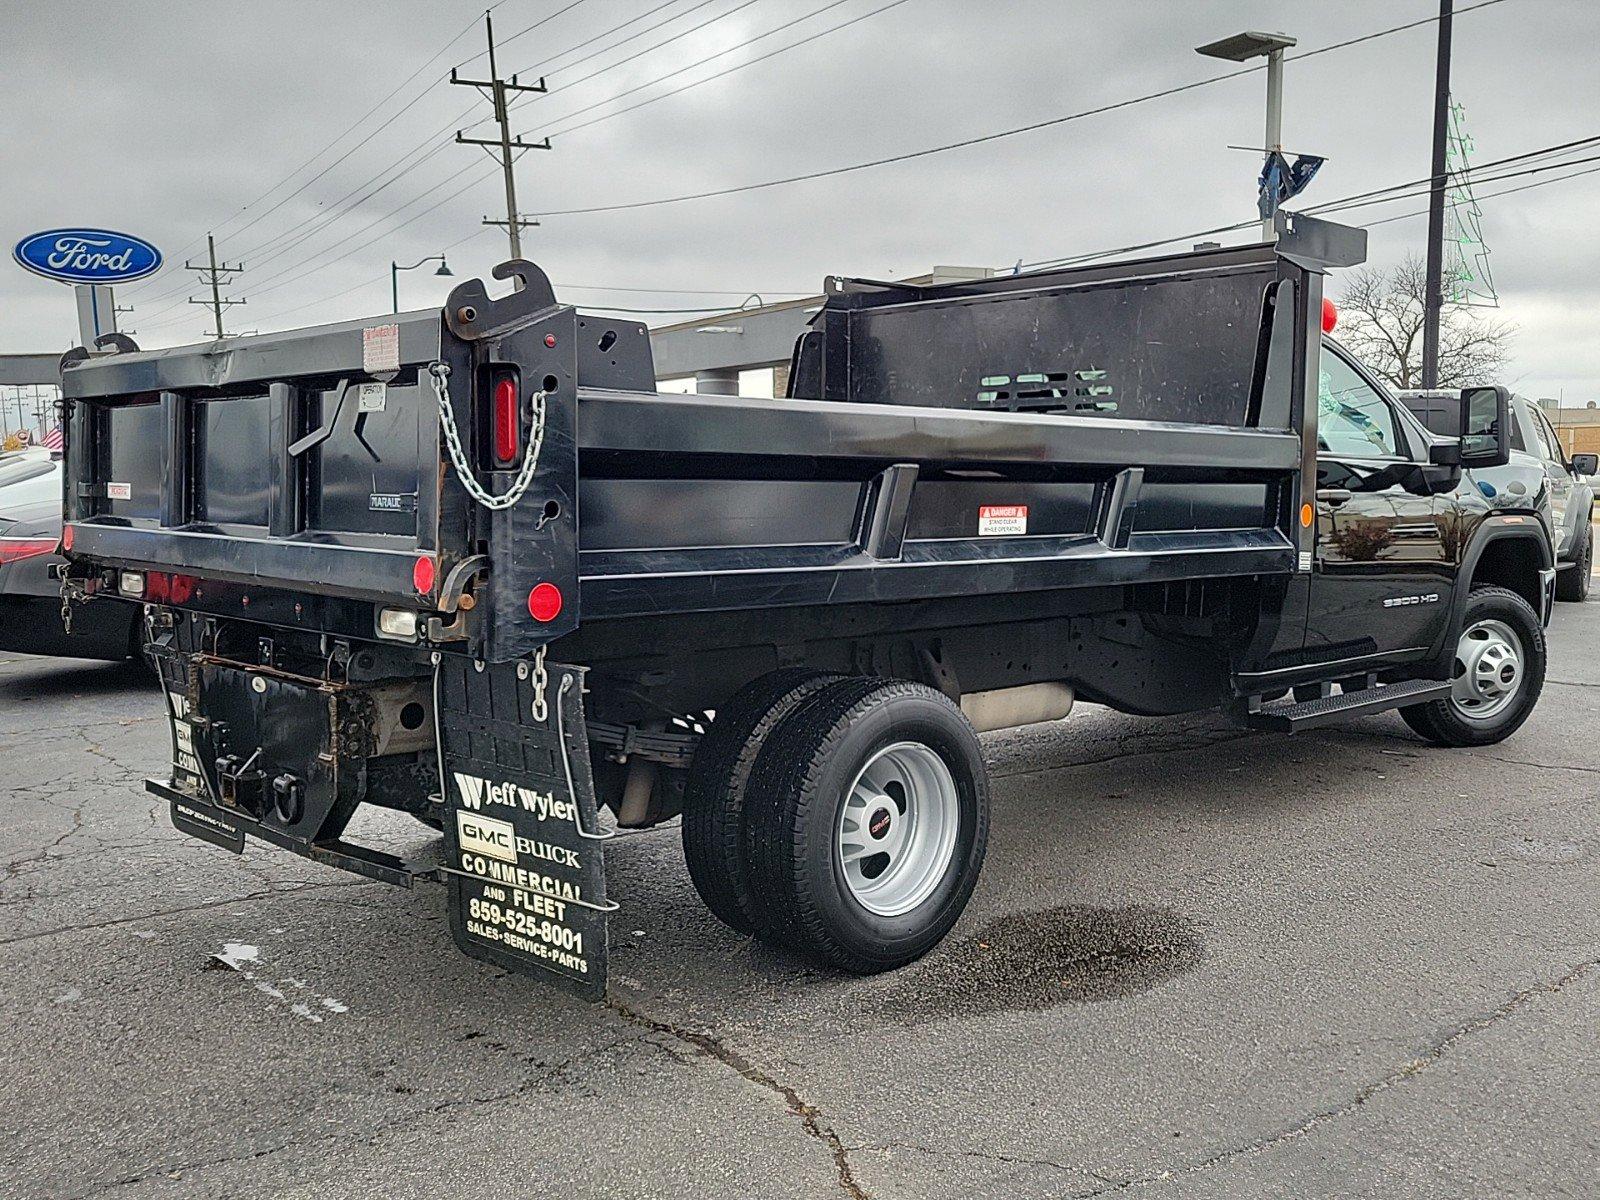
[192, 807]
[524, 865]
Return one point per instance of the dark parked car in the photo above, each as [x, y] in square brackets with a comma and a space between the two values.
[1540, 477]
[30, 600]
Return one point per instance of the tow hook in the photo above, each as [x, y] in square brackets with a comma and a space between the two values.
[288, 798]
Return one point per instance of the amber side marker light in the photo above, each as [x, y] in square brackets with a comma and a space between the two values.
[1306, 515]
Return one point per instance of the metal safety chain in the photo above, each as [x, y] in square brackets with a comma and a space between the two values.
[452, 441]
[541, 681]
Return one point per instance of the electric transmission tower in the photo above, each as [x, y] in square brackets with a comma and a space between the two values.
[1467, 279]
[215, 275]
[506, 148]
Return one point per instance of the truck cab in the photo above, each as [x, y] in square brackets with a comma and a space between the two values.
[1539, 478]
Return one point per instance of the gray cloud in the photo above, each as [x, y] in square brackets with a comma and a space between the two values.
[164, 119]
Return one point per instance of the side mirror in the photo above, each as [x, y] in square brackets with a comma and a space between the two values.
[1586, 464]
[1485, 427]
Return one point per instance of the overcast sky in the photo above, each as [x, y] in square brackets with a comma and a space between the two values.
[166, 119]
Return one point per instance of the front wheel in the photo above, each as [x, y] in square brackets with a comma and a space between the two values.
[1573, 583]
[868, 819]
[1496, 678]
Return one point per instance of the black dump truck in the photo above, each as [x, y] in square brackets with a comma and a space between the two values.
[472, 566]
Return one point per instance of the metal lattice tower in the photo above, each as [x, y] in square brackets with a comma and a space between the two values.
[1467, 277]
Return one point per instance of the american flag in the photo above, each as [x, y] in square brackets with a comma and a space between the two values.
[52, 440]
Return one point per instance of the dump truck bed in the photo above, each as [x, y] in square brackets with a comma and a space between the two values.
[1143, 422]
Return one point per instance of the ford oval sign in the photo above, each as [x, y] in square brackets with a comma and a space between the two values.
[87, 256]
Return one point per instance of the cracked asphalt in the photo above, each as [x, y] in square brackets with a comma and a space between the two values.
[1200, 963]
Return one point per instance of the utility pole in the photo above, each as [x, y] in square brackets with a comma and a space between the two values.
[496, 91]
[216, 275]
[1433, 293]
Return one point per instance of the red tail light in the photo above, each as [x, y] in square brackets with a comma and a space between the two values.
[507, 421]
[544, 602]
[14, 548]
[180, 588]
[423, 573]
[157, 587]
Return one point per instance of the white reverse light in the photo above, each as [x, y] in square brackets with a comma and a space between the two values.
[398, 623]
[131, 583]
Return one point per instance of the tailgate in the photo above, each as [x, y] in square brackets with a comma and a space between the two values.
[309, 460]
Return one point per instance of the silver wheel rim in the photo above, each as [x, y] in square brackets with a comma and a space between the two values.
[897, 828]
[1488, 671]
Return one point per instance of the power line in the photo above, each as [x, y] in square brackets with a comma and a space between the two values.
[650, 49]
[525, 30]
[273, 282]
[398, 169]
[1490, 195]
[316, 222]
[563, 131]
[346, 133]
[982, 139]
[281, 276]
[1357, 200]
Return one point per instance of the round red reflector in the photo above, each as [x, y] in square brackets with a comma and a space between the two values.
[422, 574]
[1330, 315]
[550, 340]
[544, 602]
[66, 538]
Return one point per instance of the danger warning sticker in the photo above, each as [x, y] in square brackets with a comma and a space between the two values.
[380, 349]
[1002, 520]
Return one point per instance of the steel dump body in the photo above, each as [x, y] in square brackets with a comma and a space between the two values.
[1145, 423]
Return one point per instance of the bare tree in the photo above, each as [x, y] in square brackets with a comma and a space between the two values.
[1380, 322]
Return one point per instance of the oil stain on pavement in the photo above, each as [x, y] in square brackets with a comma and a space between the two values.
[1035, 960]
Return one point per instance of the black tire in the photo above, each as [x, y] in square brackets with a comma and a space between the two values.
[1573, 583]
[714, 795]
[797, 792]
[1444, 721]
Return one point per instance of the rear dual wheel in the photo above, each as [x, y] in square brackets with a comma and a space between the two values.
[714, 795]
[863, 821]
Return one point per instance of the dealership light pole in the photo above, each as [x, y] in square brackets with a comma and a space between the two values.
[1242, 47]
[395, 269]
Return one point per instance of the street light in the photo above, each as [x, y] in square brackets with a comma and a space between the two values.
[1242, 47]
[395, 269]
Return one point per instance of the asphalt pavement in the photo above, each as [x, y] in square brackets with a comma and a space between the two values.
[1200, 963]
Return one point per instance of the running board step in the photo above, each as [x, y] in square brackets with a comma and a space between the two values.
[1291, 716]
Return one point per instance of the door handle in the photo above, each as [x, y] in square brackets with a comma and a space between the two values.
[1333, 497]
